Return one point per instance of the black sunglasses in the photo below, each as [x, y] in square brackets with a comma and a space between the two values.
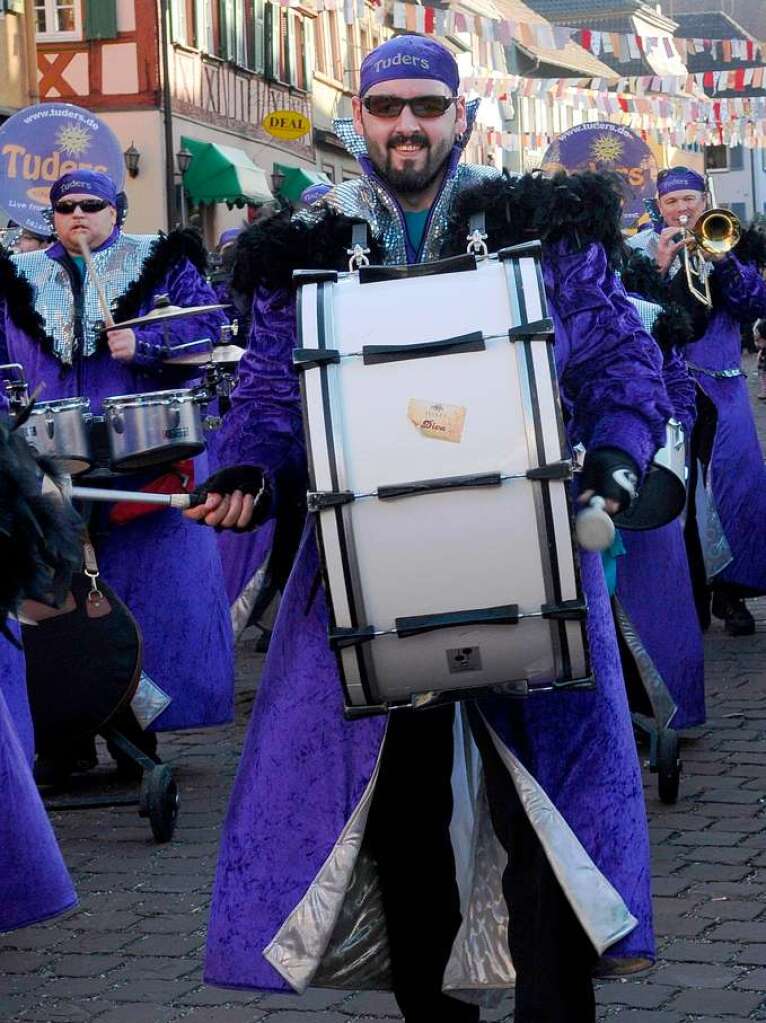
[421, 106]
[68, 206]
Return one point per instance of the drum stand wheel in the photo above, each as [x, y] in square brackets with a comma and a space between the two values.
[667, 764]
[664, 759]
[159, 800]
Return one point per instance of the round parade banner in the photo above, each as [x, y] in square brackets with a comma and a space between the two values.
[601, 146]
[42, 142]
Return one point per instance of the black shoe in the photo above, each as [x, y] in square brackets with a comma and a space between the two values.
[53, 772]
[736, 618]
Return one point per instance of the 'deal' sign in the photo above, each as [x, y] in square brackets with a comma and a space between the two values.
[39, 144]
[286, 124]
[603, 146]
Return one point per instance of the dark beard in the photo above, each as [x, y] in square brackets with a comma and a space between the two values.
[409, 181]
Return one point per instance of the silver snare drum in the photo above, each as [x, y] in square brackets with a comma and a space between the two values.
[151, 429]
[59, 430]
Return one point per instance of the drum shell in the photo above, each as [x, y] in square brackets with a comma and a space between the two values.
[59, 430]
[443, 553]
[144, 430]
[662, 496]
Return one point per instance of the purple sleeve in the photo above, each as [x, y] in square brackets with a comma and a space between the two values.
[184, 286]
[682, 391]
[741, 288]
[612, 371]
[264, 426]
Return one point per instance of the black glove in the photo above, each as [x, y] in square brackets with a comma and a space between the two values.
[248, 479]
[611, 474]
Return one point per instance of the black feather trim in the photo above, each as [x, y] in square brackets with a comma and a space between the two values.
[751, 248]
[167, 252]
[268, 252]
[641, 276]
[577, 209]
[40, 537]
[673, 328]
[19, 298]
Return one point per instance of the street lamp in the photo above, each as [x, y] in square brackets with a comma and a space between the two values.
[131, 156]
[183, 161]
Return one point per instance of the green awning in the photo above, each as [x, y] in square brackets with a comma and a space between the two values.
[298, 179]
[223, 174]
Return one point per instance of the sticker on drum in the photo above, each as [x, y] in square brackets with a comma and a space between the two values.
[437, 420]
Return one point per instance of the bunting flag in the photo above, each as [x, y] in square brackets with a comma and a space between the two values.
[623, 47]
[491, 85]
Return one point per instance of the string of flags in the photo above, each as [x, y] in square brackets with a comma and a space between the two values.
[495, 86]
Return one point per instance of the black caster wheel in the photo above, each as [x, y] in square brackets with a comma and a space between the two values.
[159, 801]
[668, 765]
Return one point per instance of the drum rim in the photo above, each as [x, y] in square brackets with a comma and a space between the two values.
[60, 405]
[145, 399]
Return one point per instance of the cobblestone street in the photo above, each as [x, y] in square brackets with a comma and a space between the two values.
[132, 952]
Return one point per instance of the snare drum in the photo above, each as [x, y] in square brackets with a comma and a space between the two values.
[439, 481]
[59, 430]
[151, 429]
[662, 495]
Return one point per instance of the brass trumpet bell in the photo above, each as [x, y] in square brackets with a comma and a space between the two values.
[716, 232]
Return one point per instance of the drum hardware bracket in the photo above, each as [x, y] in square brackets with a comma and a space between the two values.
[505, 614]
[320, 500]
[552, 471]
[372, 355]
[301, 277]
[311, 358]
[532, 249]
[359, 250]
[341, 638]
[566, 611]
[540, 330]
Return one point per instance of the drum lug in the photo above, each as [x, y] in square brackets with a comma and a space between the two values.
[342, 638]
[553, 471]
[566, 611]
[117, 422]
[319, 500]
[50, 425]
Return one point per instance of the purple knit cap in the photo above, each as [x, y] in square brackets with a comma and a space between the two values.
[409, 56]
[679, 179]
[84, 182]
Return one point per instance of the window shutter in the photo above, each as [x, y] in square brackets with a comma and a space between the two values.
[736, 158]
[259, 36]
[271, 44]
[309, 44]
[100, 19]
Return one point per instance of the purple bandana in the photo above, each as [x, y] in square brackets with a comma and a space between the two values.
[84, 182]
[314, 193]
[679, 179]
[409, 56]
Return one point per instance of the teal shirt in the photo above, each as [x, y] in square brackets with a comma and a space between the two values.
[416, 225]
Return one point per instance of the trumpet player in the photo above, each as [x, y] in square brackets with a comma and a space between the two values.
[715, 270]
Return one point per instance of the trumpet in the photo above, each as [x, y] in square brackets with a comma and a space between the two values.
[716, 232]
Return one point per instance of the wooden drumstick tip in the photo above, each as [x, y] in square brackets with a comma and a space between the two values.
[88, 257]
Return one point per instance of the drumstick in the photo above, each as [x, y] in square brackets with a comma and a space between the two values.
[86, 254]
[136, 497]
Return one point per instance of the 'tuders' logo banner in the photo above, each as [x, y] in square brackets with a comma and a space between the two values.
[39, 144]
[606, 147]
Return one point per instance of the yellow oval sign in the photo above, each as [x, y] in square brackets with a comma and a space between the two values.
[286, 124]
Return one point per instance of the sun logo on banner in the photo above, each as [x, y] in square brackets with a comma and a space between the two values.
[74, 139]
[607, 148]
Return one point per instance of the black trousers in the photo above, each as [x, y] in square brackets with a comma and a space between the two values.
[408, 834]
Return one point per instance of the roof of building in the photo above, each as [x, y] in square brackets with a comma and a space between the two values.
[570, 58]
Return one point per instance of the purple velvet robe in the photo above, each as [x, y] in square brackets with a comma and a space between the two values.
[736, 474]
[654, 587]
[165, 568]
[34, 883]
[304, 768]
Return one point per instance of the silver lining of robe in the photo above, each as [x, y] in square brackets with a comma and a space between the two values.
[664, 707]
[241, 608]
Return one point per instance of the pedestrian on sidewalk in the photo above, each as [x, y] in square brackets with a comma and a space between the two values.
[759, 337]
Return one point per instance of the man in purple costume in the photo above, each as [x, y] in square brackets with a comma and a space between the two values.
[361, 854]
[729, 507]
[34, 883]
[664, 668]
[166, 571]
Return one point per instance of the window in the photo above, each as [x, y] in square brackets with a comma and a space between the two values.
[739, 209]
[328, 56]
[723, 158]
[204, 27]
[285, 46]
[58, 19]
[329, 170]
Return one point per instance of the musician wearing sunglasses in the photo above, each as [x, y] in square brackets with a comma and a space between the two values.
[51, 323]
[727, 476]
[353, 853]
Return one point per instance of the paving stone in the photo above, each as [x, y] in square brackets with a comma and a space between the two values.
[314, 998]
[723, 1003]
[85, 965]
[637, 996]
[696, 975]
[235, 1014]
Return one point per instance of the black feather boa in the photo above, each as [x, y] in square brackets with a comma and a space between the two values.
[19, 298]
[674, 326]
[167, 252]
[40, 537]
[268, 252]
[751, 248]
[577, 209]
